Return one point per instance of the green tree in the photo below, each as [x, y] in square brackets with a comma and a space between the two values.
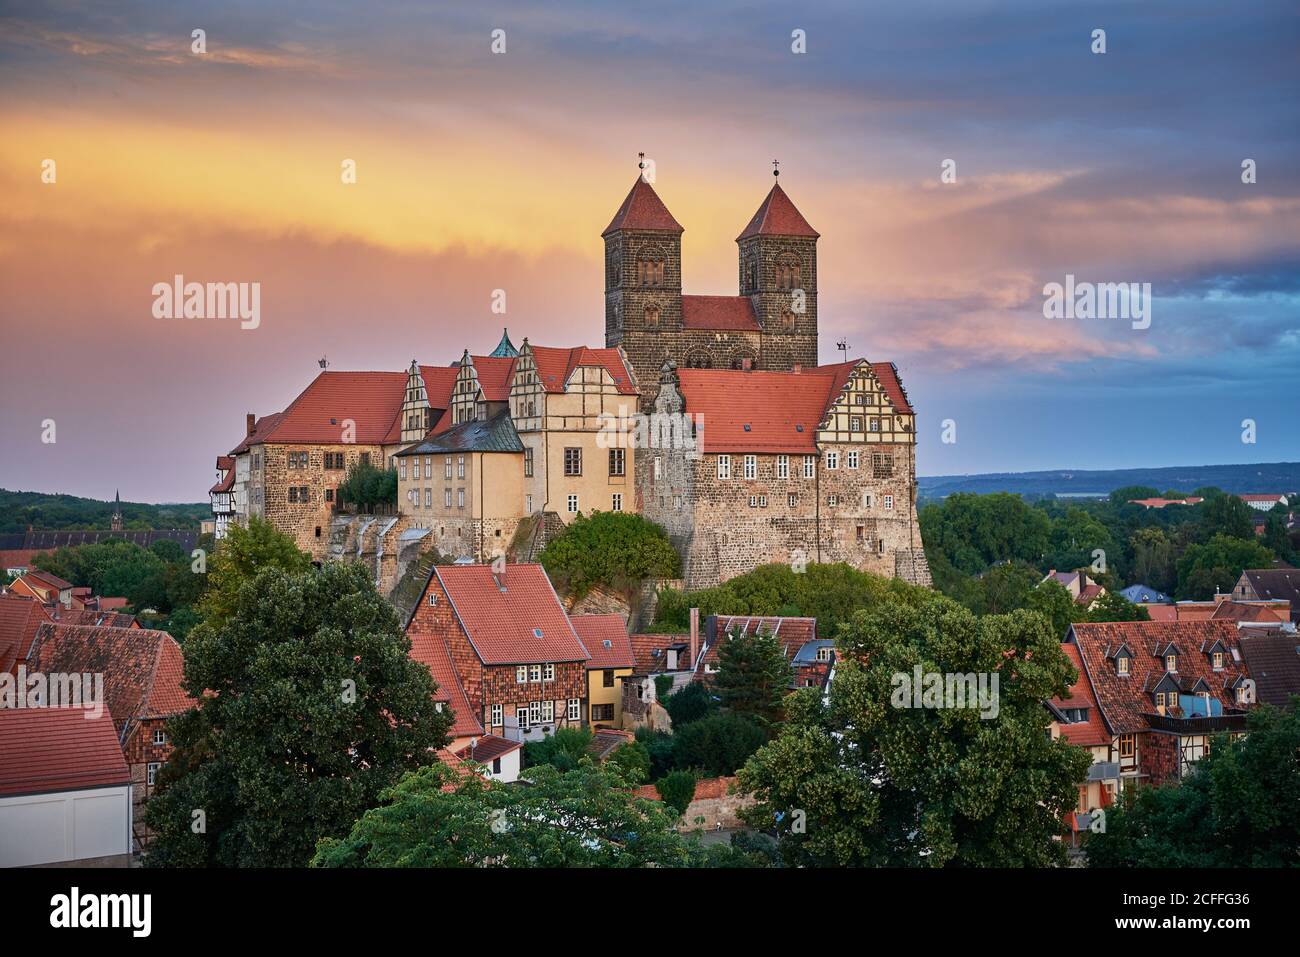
[1226, 515]
[310, 707]
[237, 560]
[677, 790]
[581, 818]
[753, 676]
[691, 703]
[366, 486]
[1217, 564]
[1236, 808]
[886, 785]
[662, 749]
[1276, 537]
[719, 744]
[632, 761]
[616, 550]
[563, 749]
[1054, 602]
[1129, 493]
[1113, 606]
[1153, 560]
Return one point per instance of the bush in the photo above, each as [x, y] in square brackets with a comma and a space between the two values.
[616, 550]
[719, 744]
[563, 749]
[366, 486]
[690, 704]
[632, 760]
[677, 790]
[662, 750]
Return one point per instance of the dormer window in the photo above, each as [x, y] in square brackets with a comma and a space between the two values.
[1171, 662]
[1121, 665]
[1217, 659]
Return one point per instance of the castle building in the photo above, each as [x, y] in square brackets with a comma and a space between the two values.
[496, 453]
[770, 325]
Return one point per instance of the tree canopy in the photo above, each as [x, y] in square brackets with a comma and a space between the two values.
[616, 550]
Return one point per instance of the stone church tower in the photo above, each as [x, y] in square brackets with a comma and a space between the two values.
[771, 324]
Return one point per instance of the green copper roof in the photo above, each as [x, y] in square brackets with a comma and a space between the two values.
[505, 348]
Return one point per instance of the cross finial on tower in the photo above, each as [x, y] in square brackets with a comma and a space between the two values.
[775, 165]
[641, 161]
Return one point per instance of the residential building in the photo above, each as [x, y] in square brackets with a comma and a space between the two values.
[1264, 502]
[44, 587]
[610, 662]
[1273, 663]
[1163, 689]
[1144, 594]
[1270, 584]
[1165, 502]
[1077, 718]
[810, 657]
[65, 789]
[142, 672]
[1082, 589]
[520, 662]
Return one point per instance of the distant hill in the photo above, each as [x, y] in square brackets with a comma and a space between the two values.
[1269, 477]
[19, 510]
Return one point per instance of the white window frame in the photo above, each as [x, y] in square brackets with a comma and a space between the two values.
[889, 501]
[809, 466]
[751, 467]
[548, 672]
[446, 498]
[535, 712]
[548, 712]
[832, 460]
[573, 504]
[724, 467]
[521, 717]
[616, 502]
[498, 716]
[783, 466]
[575, 709]
[159, 736]
[521, 674]
[446, 467]
[460, 498]
[151, 772]
[851, 459]
[534, 672]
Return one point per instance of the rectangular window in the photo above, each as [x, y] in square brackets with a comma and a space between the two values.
[152, 772]
[548, 710]
[460, 498]
[548, 672]
[1127, 745]
[792, 500]
[889, 501]
[1121, 665]
[855, 423]
[535, 711]
[1218, 661]
[329, 495]
[875, 425]
[160, 736]
[832, 461]
[809, 466]
[528, 505]
[602, 712]
[616, 505]
[521, 715]
[607, 678]
[659, 468]
[751, 467]
[617, 459]
[497, 718]
[521, 674]
[1171, 663]
[882, 464]
[832, 500]
[762, 501]
[446, 467]
[783, 466]
[401, 469]
[334, 461]
[365, 458]
[428, 498]
[297, 460]
[724, 466]
[534, 672]
[528, 463]
[572, 462]
[573, 504]
[460, 467]
[753, 501]
[446, 497]
[851, 460]
[575, 709]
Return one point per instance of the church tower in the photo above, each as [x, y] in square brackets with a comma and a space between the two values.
[643, 277]
[115, 523]
[778, 272]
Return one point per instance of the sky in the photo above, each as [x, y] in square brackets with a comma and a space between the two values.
[479, 170]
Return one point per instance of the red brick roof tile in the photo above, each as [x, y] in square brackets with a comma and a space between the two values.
[555, 366]
[777, 216]
[597, 630]
[731, 313]
[781, 409]
[519, 621]
[643, 209]
[645, 646]
[1088, 733]
[20, 616]
[43, 750]
[432, 652]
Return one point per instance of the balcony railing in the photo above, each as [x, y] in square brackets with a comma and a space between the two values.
[1103, 771]
[1199, 724]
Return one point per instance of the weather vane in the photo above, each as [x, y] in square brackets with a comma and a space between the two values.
[775, 164]
[324, 363]
[641, 164]
[843, 346]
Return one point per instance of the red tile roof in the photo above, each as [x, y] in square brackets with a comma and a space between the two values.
[777, 216]
[791, 633]
[1124, 700]
[1162, 502]
[18, 557]
[91, 616]
[1088, 733]
[47, 580]
[495, 374]
[606, 640]
[887, 375]
[719, 312]
[43, 750]
[261, 427]
[488, 748]
[643, 209]
[521, 622]
[1241, 611]
[773, 404]
[554, 366]
[142, 668]
[433, 654]
[1162, 612]
[645, 646]
[20, 616]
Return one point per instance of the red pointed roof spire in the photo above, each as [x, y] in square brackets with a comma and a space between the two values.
[778, 217]
[643, 209]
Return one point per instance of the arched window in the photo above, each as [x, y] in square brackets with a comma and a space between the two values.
[787, 321]
[652, 317]
[650, 268]
[788, 273]
[699, 360]
[739, 360]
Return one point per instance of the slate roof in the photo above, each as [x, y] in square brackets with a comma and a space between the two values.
[606, 640]
[142, 668]
[496, 434]
[1277, 583]
[777, 216]
[43, 750]
[1144, 593]
[517, 621]
[1124, 700]
[1273, 662]
[48, 541]
[643, 209]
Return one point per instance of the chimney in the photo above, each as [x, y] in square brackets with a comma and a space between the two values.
[250, 421]
[695, 636]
